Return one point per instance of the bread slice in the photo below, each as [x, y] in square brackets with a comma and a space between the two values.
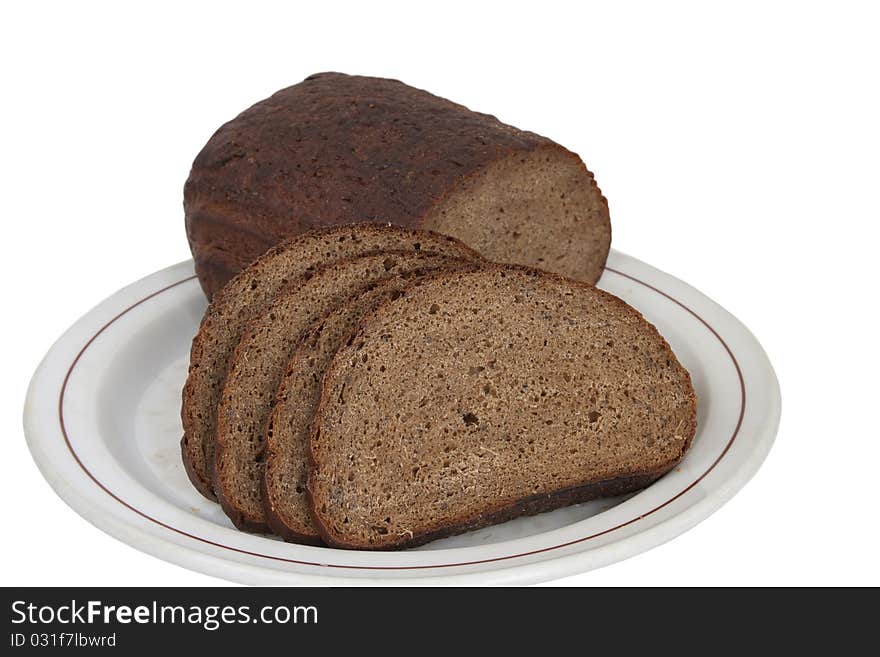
[481, 396]
[336, 148]
[258, 363]
[248, 294]
[289, 426]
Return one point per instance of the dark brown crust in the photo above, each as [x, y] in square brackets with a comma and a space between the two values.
[526, 506]
[217, 264]
[333, 149]
[201, 486]
[225, 300]
[210, 271]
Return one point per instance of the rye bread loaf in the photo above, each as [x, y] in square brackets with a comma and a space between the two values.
[481, 396]
[258, 363]
[287, 432]
[335, 149]
[248, 294]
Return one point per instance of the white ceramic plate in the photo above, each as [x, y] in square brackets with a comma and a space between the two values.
[102, 419]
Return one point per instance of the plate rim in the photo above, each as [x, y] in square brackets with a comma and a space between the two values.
[566, 563]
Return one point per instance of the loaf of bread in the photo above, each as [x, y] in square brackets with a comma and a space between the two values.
[337, 149]
[258, 363]
[248, 294]
[481, 396]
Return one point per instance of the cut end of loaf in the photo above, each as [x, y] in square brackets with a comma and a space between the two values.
[540, 209]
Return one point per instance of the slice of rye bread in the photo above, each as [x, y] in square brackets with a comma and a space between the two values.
[287, 431]
[248, 294]
[482, 396]
[258, 363]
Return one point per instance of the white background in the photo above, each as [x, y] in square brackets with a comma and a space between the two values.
[739, 148]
